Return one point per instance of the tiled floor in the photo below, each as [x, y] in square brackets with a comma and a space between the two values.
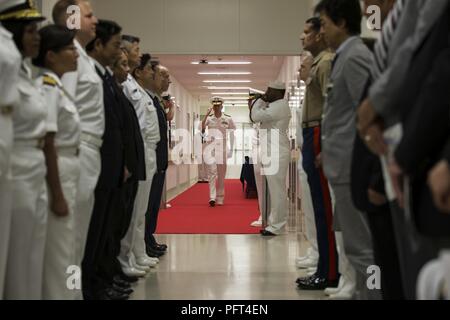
[226, 267]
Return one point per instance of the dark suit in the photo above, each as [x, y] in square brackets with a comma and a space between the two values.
[134, 158]
[162, 160]
[111, 176]
[424, 94]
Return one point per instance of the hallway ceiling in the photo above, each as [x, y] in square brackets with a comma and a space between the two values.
[263, 69]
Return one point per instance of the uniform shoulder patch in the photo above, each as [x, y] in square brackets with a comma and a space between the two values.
[49, 81]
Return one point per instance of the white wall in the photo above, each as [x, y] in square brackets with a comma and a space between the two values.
[180, 177]
[211, 26]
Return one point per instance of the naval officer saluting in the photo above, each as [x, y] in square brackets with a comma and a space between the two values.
[216, 154]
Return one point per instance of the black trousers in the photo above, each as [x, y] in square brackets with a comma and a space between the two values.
[118, 225]
[386, 254]
[414, 250]
[154, 203]
[97, 239]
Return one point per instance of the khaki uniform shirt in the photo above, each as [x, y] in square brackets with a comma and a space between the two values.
[316, 87]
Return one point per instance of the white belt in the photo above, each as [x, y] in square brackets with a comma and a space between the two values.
[68, 151]
[33, 143]
[91, 139]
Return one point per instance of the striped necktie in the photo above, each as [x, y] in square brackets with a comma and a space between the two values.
[382, 46]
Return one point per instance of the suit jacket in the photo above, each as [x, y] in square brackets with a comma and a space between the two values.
[426, 122]
[112, 150]
[346, 87]
[162, 148]
[418, 17]
[132, 137]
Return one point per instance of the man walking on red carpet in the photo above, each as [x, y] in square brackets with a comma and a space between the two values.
[216, 152]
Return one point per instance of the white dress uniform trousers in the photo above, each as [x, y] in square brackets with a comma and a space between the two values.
[133, 244]
[63, 119]
[216, 154]
[29, 209]
[9, 72]
[87, 89]
[274, 119]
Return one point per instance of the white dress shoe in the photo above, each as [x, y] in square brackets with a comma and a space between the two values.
[344, 294]
[146, 262]
[308, 263]
[141, 267]
[256, 224]
[133, 272]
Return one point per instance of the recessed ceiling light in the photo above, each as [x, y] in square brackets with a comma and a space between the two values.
[224, 73]
[228, 88]
[222, 62]
[227, 81]
[236, 98]
[228, 93]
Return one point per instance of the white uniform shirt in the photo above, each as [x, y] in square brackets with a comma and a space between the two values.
[10, 62]
[86, 87]
[30, 116]
[276, 116]
[217, 127]
[145, 111]
[62, 116]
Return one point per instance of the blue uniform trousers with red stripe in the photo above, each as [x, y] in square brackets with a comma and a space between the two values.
[320, 193]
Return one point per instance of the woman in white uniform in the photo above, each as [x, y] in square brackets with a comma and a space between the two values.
[10, 60]
[58, 55]
[29, 207]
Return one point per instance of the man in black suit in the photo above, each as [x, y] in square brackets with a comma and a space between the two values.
[135, 171]
[104, 50]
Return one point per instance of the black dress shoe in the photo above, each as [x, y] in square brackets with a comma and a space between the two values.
[122, 290]
[154, 253]
[158, 247]
[111, 294]
[305, 279]
[266, 233]
[163, 246]
[317, 283]
[212, 203]
[128, 279]
[121, 283]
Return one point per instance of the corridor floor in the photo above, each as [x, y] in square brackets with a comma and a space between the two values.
[226, 267]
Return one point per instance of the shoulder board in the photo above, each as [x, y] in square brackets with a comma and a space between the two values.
[211, 115]
[49, 81]
[227, 115]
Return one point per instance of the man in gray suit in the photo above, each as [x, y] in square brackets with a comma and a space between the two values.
[341, 26]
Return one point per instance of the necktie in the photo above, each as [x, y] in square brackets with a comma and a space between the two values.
[382, 45]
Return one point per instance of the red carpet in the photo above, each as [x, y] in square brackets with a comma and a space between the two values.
[190, 212]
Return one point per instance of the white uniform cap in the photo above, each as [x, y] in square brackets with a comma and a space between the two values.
[8, 4]
[216, 100]
[277, 85]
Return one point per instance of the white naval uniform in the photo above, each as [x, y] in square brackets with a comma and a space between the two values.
[86, 87]
[29, 209]
[63, 119]
[133, 244]
[274, 119]
[215, 154]
[10, 61]
[257, 169]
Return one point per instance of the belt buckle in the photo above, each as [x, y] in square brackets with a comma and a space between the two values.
[6, 110]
